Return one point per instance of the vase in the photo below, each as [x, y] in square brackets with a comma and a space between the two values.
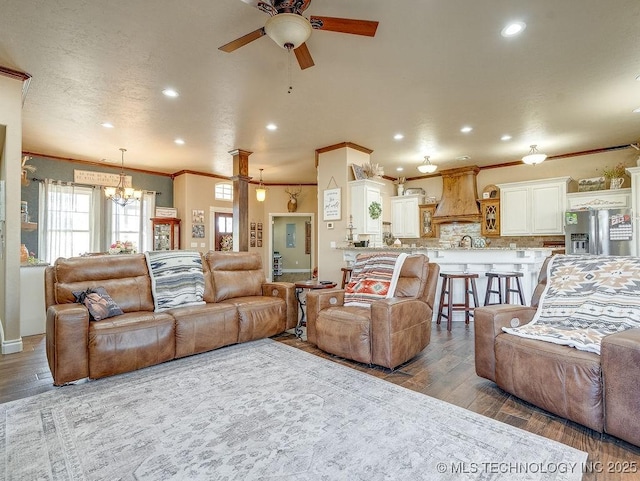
[24, 254]
[400, 189]
[616, 183]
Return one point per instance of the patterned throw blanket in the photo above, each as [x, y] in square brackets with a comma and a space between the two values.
[177, 278]
[586, 299]
[373, 277]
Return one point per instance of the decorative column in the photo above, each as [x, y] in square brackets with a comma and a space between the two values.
[240, 199]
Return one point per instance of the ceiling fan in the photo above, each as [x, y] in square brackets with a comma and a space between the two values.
[290, 30]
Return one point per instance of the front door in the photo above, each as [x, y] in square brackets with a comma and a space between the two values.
[224, 231]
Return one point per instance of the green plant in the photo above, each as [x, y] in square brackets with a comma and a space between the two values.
[614, 172]
[375, 209]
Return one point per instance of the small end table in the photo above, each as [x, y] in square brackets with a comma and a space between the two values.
[302, 300]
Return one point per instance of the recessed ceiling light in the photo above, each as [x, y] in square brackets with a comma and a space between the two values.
[398, 136]
[638, 78]
[399, 169]
[107, 125]
[179, 141]
[170, 93]
[272, 127]
[513, 29]
[463, 157]
[505, 137]
[636, 111]
[466, 130]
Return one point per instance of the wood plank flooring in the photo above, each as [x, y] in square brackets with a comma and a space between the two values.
[444, 370]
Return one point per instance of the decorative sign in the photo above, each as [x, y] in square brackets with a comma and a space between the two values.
[99, 178]
[166, 212]
[332, 205]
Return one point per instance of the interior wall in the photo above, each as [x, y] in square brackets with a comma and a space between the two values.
[294, 259]
[193, 191]
[10, 168]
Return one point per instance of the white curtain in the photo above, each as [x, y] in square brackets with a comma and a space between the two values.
[68, 219]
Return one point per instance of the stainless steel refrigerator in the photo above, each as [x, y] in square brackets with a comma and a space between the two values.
[602, 231]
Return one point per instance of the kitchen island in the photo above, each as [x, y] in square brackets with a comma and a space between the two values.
[475, 261]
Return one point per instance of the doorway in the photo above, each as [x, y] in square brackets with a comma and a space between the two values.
[221, 224]
[291, 244]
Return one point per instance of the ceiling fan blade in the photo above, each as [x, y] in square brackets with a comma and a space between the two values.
[242, 41]
[303, 56]
[345, 25]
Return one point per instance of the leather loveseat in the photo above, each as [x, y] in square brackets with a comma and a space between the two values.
[240, 306]
[601, 392]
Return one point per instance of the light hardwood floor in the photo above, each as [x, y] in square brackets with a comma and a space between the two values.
[444, 370]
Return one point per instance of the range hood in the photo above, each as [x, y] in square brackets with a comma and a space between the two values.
[459, 201]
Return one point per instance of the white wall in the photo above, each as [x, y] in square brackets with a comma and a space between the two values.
[10, 166]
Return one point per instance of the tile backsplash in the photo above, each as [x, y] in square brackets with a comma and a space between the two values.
[452, 233]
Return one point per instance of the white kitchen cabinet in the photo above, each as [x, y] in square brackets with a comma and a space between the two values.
[405, 216]
[533, 207]
[600, 199]
[362, 194]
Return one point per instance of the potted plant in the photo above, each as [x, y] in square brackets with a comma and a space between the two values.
[615, 175]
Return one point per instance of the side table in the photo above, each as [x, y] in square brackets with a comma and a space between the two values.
[302, 300]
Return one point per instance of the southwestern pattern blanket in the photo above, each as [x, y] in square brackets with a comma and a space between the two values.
[586, 299]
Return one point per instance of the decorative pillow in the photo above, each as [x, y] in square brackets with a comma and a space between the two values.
[374, 277]
[99, 303]
[177, 278]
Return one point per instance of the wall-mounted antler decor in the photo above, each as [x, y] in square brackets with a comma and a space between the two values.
[292, 205]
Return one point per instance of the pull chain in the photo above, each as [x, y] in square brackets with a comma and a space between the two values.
[289, 48]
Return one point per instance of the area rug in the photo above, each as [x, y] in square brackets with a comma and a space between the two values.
[263, 410]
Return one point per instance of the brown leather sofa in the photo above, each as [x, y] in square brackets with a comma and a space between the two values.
[390, 332]
[601, 392]
[240, 306]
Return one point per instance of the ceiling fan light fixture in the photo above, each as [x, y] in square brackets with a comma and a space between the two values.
[534, 157]
[288, 30]
[427, 167]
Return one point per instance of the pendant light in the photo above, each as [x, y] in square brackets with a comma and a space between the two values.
[120, 194]
[261, 192]
[534, 157]
[427, 167]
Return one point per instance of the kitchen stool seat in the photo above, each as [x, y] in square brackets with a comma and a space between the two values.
[450, 306]
[503, 289]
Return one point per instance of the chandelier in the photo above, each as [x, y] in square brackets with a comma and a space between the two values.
[427, 167]
[121, 194]
[534, 157]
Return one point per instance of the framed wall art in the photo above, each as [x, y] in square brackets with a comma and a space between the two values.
[332, 204]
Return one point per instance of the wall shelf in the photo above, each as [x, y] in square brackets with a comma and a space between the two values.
[29, 226]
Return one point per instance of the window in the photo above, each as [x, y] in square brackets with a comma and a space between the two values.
[70, 221]
[67, 220]
[132, 222]
[224, 191]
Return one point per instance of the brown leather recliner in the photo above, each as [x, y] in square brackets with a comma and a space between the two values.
[390, 332]
[601, 392]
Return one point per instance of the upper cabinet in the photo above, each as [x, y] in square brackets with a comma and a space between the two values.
[490, 220]
[533, 207]
[366, 206]
[405, 216]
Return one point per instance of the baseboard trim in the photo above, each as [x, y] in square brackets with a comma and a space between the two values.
[12, 346]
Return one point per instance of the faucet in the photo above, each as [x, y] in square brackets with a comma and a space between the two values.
[463, 243]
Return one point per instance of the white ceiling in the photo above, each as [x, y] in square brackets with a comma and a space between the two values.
[568, 83]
